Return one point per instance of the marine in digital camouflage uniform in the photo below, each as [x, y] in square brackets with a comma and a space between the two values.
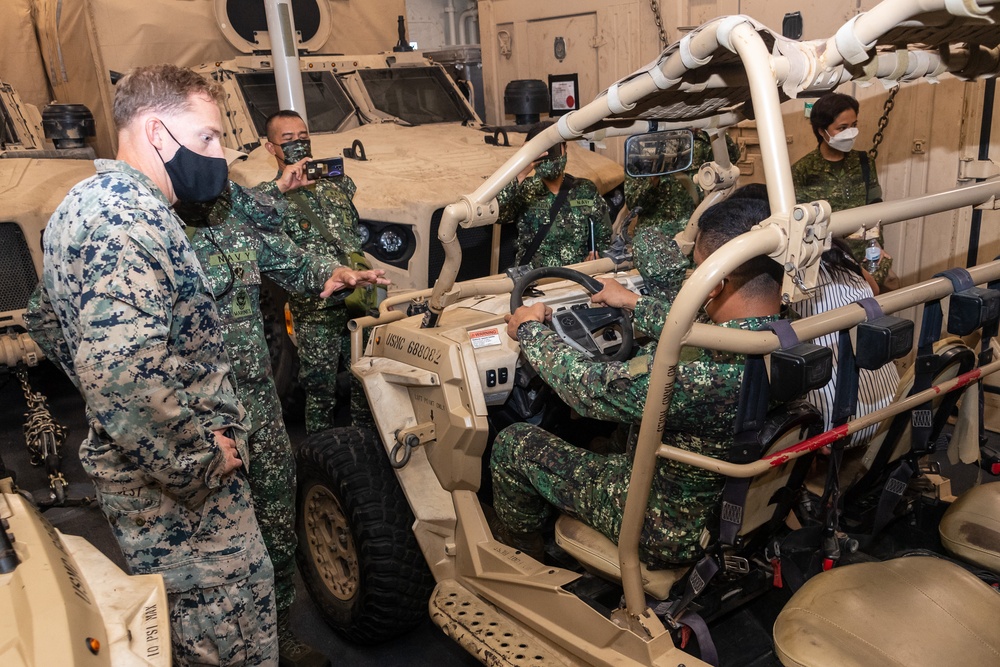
[582, 223]
[321, 324]
[535, 471]
[237, 240]
[127, 312]
[666, 201]
[842, 184]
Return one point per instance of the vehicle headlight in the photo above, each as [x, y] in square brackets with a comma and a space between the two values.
[391, 242]
[388, 242]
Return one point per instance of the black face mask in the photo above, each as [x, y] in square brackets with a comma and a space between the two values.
[296, 149]
[196, 178]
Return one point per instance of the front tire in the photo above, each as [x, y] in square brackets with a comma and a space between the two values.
[357, 552]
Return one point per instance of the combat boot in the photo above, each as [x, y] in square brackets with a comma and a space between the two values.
[292, 652]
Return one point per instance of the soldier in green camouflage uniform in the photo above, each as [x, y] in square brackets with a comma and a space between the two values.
[534, 470]
[839, 176]
[237, 240]
[320, 325]
[582, 225]
[667, 200]
[126, 311]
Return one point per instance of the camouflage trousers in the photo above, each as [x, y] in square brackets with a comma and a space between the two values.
[535, 472]
[215, 567]
[272, 483]
[324, 344]
[229, 625]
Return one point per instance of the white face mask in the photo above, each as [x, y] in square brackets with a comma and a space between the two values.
[843, 141]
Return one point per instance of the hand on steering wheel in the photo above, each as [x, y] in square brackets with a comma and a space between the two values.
[577, 326]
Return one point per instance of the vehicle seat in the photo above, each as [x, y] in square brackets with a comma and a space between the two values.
[970, 529]
[956, 357]
[916, 611]
[784, 427]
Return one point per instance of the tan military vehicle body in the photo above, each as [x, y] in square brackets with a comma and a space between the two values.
[437, 384]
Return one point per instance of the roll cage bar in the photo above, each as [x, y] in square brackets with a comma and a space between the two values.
[708, 80]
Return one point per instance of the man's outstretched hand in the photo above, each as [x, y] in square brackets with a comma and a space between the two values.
[345, 278]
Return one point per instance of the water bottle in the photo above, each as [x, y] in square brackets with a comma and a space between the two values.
[873, 253]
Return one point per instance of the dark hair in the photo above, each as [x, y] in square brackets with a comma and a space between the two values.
[752, 191]
[284, 113]
[840, 260]
[725, 221]
[161, 88]
[826, 109]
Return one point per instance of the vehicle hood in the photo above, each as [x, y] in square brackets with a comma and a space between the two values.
[413, 171]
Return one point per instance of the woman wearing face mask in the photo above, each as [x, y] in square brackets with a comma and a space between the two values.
[841, 175]
[560, 219]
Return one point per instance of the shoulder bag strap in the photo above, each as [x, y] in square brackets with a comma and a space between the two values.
[543, 231]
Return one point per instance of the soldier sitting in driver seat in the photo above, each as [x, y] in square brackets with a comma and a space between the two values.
[534, 470]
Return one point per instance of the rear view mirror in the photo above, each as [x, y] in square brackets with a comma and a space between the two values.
[658, 153]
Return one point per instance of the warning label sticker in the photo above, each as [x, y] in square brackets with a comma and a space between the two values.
[485, 337]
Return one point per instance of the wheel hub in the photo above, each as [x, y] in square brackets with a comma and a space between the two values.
[330, 542]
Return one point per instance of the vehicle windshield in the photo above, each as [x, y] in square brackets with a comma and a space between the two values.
[327, 104]
[417, 95]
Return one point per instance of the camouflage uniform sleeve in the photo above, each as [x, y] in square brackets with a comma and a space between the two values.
[43, 325]
[262, 209]
[660, 262]
[650, 314]
[291, 267]
[347, 185]
[874, 188]
[602, 390]
[158, 409]
[511, 201]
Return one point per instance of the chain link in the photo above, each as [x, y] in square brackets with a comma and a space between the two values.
[890, 102]
[655, 6]
[39, 423]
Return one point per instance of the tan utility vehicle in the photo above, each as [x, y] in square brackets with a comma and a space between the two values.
[390, 520]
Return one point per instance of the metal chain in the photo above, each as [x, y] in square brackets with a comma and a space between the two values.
[39, 422]
[883, 122]
[655, 6]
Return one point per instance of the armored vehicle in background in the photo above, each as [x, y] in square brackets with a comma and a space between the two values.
[409, 137]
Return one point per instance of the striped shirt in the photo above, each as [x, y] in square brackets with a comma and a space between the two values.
[876, 389]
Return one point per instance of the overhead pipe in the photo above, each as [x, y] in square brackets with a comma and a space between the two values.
[449, 11]
[285, 56]
[463, 36]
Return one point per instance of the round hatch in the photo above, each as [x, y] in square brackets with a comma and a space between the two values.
[242, 22]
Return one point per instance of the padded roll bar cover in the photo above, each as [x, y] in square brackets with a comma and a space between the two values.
[970, 529]
[972, 308]
[916, 611]
[882, 340]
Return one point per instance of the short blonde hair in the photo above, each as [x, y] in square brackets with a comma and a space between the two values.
[161, 88]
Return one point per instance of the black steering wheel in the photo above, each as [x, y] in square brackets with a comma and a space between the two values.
[577, 326]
